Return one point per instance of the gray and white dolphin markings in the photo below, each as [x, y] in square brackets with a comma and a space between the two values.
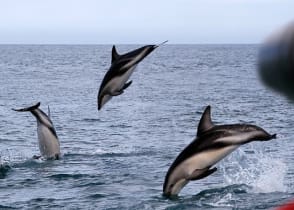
[48, 141]
[122, 66]
[212, 143]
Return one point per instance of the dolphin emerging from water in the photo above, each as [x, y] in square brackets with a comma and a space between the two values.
[48, 141]
[213, 143]
[122, 66]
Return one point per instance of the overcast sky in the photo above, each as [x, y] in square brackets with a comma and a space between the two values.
[141, 21]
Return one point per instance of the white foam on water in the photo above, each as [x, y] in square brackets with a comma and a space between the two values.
[258, 170]
[118, 149]
[113, 149]
[225, 201]
[10, 157]
[6, 156]
[99, 151]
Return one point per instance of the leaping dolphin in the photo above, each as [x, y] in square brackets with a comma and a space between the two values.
[212, 144]
[48, 141]
[122, 66]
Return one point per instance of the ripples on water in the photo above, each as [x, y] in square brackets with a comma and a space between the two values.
[117, 158]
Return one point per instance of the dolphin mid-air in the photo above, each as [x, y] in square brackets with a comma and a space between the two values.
[212, 144]
[48, 141]
[122, 66]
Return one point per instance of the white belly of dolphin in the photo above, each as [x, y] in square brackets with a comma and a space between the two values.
[48, 143]
[206, 158]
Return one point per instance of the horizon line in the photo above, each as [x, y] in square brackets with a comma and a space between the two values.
[216, 43]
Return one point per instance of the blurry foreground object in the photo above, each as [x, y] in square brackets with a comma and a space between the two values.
[288, 206]
[276, 61]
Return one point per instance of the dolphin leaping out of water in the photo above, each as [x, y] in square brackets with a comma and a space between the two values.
[212, 144]
[122, 66]
[48, 141]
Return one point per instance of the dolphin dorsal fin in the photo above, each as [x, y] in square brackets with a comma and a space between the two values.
[115, 55]
[49, 114]
[205, 122]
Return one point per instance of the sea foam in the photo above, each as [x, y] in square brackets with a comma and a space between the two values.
[260, 171]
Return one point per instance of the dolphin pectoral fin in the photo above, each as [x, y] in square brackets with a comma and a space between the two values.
[117, 93]
[127, 85]
[201, 173]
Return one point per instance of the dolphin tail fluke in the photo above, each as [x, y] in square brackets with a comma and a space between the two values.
[28, 109]
[162, 43]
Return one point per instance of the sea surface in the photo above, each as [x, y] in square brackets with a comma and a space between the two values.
[117, 158]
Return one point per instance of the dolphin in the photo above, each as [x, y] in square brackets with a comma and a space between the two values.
[48, 141]
[122, 66]
[212, 144]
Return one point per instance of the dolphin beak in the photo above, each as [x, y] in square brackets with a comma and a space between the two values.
[274, 136]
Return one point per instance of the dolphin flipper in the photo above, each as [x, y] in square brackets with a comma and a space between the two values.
[201, 173]
[117, 93]
[37, 157]
[127, 85]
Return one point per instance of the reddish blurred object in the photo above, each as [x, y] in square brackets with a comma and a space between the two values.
[276, 61]
[288, 206]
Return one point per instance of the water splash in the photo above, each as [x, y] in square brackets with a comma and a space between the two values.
[260, 171]
[6, 157]
[224, 201]
[116, 149]
[10, 159]
[4, 164]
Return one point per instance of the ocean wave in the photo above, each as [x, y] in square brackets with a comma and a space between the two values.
[62, 176]
[119, 151]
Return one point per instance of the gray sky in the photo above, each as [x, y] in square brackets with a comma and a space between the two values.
[135, 21]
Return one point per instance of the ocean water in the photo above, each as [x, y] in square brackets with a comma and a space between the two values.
[117, 158]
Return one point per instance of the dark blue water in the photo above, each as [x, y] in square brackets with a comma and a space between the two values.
[117, 158]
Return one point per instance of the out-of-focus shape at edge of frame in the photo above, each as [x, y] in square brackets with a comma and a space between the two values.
[276, 61]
